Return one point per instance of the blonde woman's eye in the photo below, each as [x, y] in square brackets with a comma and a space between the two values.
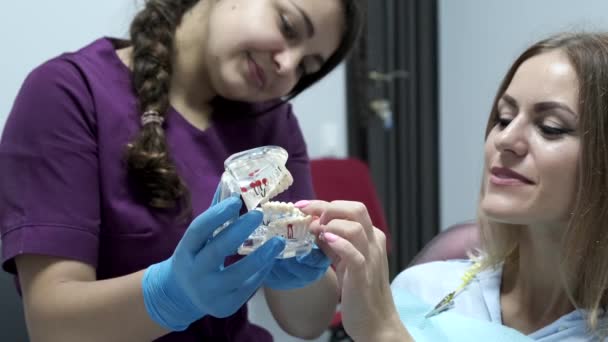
[553, 131]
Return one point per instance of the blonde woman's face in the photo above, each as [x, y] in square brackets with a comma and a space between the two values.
[531, 155]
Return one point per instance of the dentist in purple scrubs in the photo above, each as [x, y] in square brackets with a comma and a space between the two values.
[111, 155]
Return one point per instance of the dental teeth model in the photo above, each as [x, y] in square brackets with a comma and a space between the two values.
[286, 220]
[258, 175]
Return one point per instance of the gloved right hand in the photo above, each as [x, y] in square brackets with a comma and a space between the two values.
[193, 282]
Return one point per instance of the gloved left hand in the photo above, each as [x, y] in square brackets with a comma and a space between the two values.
[298, 272]
[194, 282]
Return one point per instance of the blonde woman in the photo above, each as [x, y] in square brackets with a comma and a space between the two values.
[542, 274]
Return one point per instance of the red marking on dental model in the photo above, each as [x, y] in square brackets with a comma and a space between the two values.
[251, 174]
[258, 187]
[290, 231]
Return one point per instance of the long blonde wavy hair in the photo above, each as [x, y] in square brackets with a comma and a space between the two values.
[584, 252]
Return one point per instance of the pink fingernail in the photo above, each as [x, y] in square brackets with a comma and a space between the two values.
[329, 237]
[301, 204]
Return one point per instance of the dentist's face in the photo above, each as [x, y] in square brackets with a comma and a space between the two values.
[532, 153]
[258, 49]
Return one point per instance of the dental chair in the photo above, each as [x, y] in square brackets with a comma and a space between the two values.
[12, 320]
[451, 243]
[347, 179]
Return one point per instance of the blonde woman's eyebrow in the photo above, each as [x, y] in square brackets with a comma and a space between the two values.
[540, 107]
[550, 105]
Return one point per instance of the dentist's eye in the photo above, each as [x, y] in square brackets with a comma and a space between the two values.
[302, 70]
[287, 28]
[503, 121]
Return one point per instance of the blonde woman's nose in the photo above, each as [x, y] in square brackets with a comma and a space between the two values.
[513, 138]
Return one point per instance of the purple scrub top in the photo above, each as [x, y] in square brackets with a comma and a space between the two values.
[64, 190]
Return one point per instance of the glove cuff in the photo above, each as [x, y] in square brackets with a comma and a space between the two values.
[161, 307]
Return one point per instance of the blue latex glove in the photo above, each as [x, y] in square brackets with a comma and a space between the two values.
[193, 282]
[298, 272]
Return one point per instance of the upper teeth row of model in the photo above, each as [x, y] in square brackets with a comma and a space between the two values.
[282, 185]
[279, 210]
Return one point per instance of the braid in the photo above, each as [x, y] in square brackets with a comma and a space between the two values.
[150, 168]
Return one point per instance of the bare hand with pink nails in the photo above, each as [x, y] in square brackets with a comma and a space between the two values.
[358, 252]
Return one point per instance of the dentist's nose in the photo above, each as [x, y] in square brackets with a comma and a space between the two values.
[287, 61]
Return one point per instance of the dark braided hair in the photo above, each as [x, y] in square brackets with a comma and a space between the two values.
[149, 164]
[150, 168]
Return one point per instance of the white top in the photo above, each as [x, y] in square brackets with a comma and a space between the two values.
[480, 300]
